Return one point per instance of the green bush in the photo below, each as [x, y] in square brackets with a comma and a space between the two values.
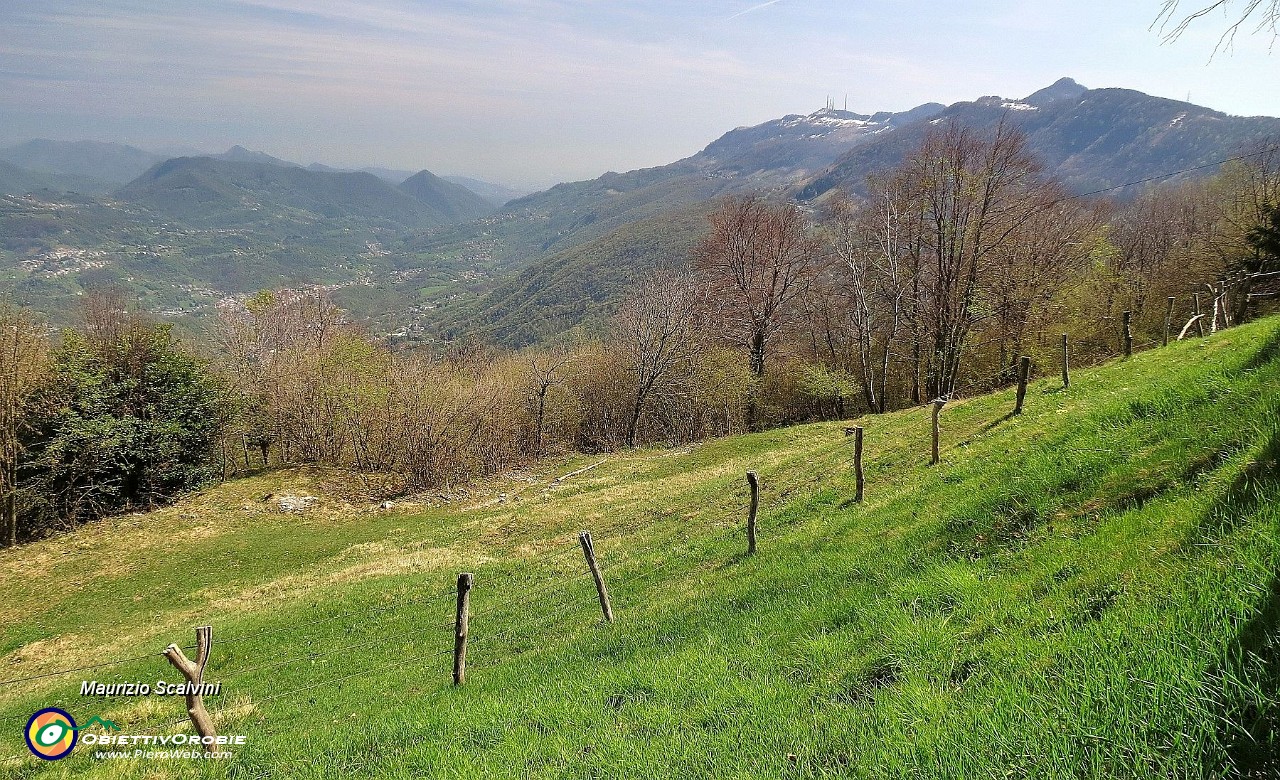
[130, 421]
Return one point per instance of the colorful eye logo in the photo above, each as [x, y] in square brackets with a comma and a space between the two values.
[51, 733]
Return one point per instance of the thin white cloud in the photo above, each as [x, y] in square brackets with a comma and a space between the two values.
[753, 8]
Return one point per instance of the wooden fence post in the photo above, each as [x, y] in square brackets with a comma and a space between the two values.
[1168, 320]
[589, 552]
[857, 463]
[754, 482]
[1222, 295]
[1066, 363]
[1199, 321]
[461, 628]
[193, 671]
[1024, 375]
[937, 408]
[1128, 333]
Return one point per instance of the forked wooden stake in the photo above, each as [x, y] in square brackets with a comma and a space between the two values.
[754, 482]
[193, 671]
[1128, 333]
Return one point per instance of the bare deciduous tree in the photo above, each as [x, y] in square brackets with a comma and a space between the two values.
[872, 244]
[973, 196]
[656, 330]
[546, 370]
[1029, 269]
[757, 260]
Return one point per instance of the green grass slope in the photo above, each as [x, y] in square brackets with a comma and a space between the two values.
[1086, 590]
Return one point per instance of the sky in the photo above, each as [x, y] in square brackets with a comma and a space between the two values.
[531, 92]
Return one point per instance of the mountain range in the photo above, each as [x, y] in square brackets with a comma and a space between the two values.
[435, 257]
[232, 191]
[1091, 139]
[97, 168]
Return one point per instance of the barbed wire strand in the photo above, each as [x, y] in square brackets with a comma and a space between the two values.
[102, 665]
[315, 656]
[237, 639]
[398, 662]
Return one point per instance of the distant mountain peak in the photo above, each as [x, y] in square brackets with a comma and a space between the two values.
[454, 201]
[238, 153]
[1062, 89]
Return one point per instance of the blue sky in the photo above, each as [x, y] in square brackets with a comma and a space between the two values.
[537, 91]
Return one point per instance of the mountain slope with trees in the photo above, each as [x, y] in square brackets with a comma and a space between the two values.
[224, 193]
[770, 156]
[196, 228]
[452, 202]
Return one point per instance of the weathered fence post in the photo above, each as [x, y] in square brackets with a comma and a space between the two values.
[1128, 333]
[193, 671]
[937, 408]
[1168, 320]
[857, 463]
[1066, 363]
[754, 482]
[1222, 295]
[1199, 321]
[461, 628]
[1024, 375]
[589, 552]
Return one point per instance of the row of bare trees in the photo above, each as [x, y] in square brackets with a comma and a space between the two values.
[967, 256]
[960, 260]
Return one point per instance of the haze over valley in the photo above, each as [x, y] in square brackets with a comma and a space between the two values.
[432, 259]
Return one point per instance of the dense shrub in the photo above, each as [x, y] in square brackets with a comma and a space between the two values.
[127, 421]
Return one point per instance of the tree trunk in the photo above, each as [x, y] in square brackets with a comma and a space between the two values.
[542, 410]
[634, 422]
[757, 353]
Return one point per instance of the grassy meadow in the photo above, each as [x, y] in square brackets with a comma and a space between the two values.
[1089, 589]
